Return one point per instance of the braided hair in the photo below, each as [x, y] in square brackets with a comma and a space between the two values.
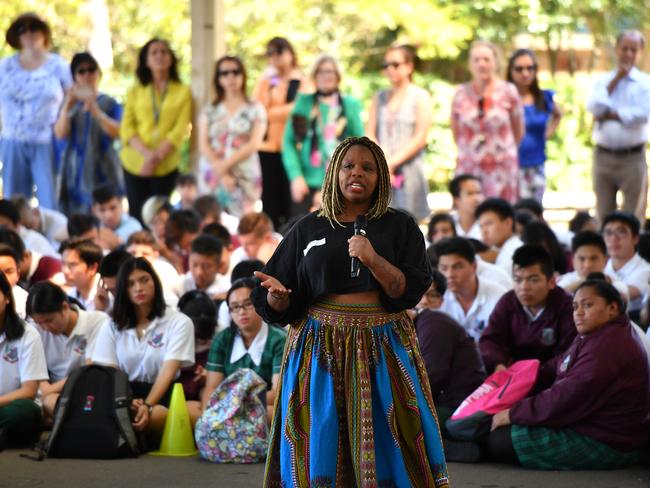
[332, 198]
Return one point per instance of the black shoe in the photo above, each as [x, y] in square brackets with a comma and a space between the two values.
[462, 451]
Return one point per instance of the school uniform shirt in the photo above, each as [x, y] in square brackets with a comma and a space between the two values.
[128, 225]
[492, 272]
[513, 334]
[504, 258]
[35, 241]
[21, 360]
[20, 301]
[64, 354]
[186, 283]
[54, 226]
[170, 337]
[633, 273]
[264, 355]
[88, 303]
[571, 278]
[476, 318]
[598, 387]
[474, 231]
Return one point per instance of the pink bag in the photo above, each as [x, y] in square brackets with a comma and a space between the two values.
[501, 390]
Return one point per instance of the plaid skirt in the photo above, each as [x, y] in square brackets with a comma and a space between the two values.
[565, 449]
[354, 406]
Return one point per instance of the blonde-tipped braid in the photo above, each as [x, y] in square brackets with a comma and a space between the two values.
[332, 198]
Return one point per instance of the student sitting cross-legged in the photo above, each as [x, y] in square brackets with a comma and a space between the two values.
[534, 321]
[68, 334]
[22, 367]
[148, 341]
[590, 403]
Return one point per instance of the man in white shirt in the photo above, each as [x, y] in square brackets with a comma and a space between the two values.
[467, 195]
[256, 236]
[496, 218]
[50, 223]
[621, 234]
[468, 299]
[10, 218]
[107, 206]
[80, 265]
[204, 263]
[620, 103]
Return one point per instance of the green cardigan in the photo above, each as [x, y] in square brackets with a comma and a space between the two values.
[297, 162]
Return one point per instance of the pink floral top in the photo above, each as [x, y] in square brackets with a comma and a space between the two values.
[485, 138]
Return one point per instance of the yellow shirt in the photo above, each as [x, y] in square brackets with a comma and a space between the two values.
[175, 109]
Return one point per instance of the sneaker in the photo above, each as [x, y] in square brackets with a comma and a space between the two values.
[461, 451]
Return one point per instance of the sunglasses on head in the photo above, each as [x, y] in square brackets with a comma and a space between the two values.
[27, 27]
[392, 64]
[226, 72]
[521, 69]
[83, 71]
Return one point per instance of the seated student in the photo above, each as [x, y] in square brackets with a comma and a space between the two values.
[256, 236]
[148, 341]
[142, 244]
[591, 402]
[496, 218]
[243, 269]
[202, 310]
[108, 269]
[468, 299]
[227, 247]
[181, 229]
[583, 221]
[533, 321]
[52, 224]
[32, 266]
[210, 211]
[22, 367]
[84, 226]
[621, 234]
[10, 218]
[589, 256]
[441, 225]
[107, 206]
[467, 194]
[489, 271]
[187, 190]
[535, 210]
[9, 268]
[537, 232]
[205, 260]
[248, 343]
[81, 270]
[451, 357]
[68, 335]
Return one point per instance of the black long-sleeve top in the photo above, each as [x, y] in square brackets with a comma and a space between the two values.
[313, 261]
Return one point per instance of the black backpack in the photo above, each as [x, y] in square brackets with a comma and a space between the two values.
[92, 418]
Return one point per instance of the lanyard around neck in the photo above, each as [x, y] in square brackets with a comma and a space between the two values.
[157, 108]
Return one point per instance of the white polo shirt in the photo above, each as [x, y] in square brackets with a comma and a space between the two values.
[21, 360]
[20, 301]
[504, 258]
[166, 272]
[492, 272]
[170, 337]
[88, 303]
[474, 231]
[476, 318]
[221, 284]
[65, 354]
[633, 273]
[571, 278]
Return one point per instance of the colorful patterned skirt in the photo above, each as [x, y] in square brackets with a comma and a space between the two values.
[354, 406]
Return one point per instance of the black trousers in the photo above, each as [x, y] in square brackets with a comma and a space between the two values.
[139, 189]
[276, 192]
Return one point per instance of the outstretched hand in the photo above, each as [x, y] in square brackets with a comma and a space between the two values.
[278, 296]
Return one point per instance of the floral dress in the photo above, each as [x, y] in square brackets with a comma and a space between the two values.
[226, 133]
[485, 139]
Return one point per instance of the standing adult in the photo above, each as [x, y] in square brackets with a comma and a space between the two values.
[319, 122]
[155, 125]
[33, 83]
[541, 115]
[89, 123]
[620, 103]
[488, 125]
[399, 120]
[230, 131]
[352, 370]
[277, 90]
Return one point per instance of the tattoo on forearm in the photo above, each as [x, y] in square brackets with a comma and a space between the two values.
[394, 284]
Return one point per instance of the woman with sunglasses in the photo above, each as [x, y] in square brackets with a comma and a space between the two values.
[33, 83]
[148, 341]
[155, 125]
[248, 343]
[231, 130]
[542, 116]
[89, 124]
[277, 91]
[487, 124]
[399, 121]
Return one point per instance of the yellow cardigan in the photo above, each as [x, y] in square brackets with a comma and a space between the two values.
[138, 119]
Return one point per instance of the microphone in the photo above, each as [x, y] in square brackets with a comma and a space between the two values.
[360, 224]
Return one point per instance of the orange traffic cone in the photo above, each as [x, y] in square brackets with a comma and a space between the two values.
[178, 438]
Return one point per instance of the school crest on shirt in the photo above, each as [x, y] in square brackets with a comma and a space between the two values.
[11, 354]
[156, 340]
[548, 336]
[565, 363]
[80, 345]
